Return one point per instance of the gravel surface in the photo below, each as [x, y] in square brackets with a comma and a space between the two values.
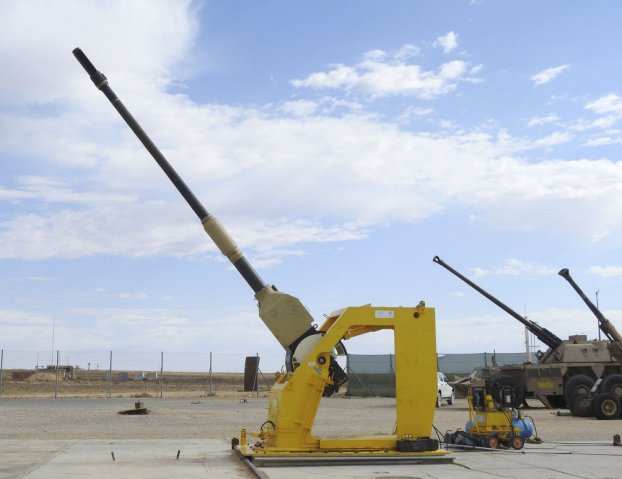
[222, 418]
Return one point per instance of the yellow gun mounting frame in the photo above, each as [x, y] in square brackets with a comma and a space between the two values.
[295, 397]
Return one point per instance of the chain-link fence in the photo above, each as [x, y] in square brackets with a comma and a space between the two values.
[128, 374]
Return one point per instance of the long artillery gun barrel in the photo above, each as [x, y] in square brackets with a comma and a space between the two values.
[543, 334]
[285, 316]
[603, 323]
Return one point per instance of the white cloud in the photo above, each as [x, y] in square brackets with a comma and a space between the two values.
[384, 74]
[608, 104]
[22, 327]
[412, 175]
[324, 106]
[556, 138]
[602, 141]
[515, 267]
[245, 164]
[414, 112]
[604, 122]
[340, 76]
[36, 40]
[300, 107]
[609, 271]
[133, 296]
[543, 120]
[447, 42]
[609, 109]
[563, 322]
[547, 75]
[407, 51]
[85, 332]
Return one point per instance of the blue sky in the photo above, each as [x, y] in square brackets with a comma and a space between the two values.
[343, 144]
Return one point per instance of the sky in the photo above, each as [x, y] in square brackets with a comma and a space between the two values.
[342, 144]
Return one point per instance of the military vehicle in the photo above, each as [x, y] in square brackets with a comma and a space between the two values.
[568, 369]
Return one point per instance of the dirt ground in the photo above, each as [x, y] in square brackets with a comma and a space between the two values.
[194, 406]
[35, 427]
[100, 384]
[222, 417]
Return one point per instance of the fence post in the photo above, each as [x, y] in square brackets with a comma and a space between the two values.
[257, 375]
[57, 364]
[1, 370]
[161, 373]
[210, 374]
[110, 376]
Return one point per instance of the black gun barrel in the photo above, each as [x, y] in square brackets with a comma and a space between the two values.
[213, 228]
[603, 323]
[543, 334]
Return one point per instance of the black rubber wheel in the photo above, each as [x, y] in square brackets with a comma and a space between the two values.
[581, 406]
[577, 384]
[497, 393]
[492, 442]
[612, 384]
[518, 442]
[606, 406]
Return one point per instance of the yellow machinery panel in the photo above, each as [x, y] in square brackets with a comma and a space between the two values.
[295, 397]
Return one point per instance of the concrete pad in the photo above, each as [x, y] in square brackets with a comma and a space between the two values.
[551, 461]
[132, 458]
[207, 458]
[18, 457]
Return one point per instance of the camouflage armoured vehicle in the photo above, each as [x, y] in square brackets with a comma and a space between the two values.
[569, 371]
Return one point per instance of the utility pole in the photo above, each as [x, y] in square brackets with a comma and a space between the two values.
[597, 323]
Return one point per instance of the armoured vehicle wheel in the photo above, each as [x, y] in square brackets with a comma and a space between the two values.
[577, 384]
[581, 406]
[612, 384]
[606, 406]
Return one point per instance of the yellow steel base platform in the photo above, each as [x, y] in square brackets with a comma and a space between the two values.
[342, 451]
[324, 458]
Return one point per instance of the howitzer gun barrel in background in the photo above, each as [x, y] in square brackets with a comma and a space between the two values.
[543, 334]
[285, 316]
[603, 323]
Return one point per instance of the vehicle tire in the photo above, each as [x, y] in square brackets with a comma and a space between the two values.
[452, 399]
[500, 381]
[492, 442]
[612, 384]
[581, 406]
[606, 406]
[577, 384]
[439, 399]
[518, 442]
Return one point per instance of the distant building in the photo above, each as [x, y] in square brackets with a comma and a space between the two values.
[374, 374]
[464, 364]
